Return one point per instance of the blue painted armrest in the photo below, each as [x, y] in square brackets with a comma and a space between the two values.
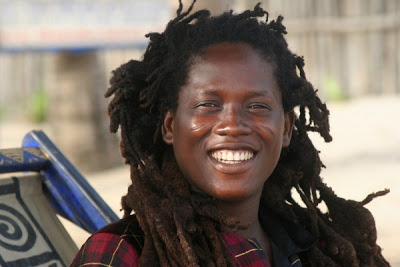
[69, 192]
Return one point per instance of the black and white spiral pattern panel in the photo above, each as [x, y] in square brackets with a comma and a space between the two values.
[16, 232]
[22, 240]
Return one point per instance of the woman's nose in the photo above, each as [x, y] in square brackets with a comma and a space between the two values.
[232, 122]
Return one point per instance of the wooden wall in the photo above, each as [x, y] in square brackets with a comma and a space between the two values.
[351, 49]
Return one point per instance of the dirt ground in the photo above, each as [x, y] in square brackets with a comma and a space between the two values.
[364, 157]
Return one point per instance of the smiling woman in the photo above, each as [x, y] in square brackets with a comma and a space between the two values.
[215, 148]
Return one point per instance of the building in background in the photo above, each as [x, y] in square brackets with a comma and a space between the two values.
[55, 51]
[65, 50]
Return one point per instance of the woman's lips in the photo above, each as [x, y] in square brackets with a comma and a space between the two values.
[228, 156]
[232, 161]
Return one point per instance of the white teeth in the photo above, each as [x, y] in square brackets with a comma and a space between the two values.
[232, 156]
[222, 155]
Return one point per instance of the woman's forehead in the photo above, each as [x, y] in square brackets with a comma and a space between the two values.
[231, 66]
[230, 52]
[222, 56]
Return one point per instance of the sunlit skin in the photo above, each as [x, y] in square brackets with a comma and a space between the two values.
[230, 103]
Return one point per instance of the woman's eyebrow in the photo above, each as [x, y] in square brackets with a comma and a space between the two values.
[215, 92]
[261, 93]
[208, 91]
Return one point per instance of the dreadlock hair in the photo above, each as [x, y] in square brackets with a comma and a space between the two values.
[182, 228]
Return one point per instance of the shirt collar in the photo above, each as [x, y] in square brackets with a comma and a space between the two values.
[288, 237]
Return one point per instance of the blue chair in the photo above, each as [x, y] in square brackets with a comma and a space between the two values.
[30, 232]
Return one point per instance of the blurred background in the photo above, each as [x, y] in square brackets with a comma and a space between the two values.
[56, 57]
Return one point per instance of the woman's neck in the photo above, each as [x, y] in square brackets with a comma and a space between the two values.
[246, 213]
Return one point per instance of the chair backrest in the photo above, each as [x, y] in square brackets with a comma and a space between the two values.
[30, 232]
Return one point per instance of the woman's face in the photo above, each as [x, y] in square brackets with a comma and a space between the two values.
[229, 127]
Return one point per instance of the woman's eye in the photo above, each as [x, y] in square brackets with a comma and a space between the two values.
[259, 106]
[206, 104]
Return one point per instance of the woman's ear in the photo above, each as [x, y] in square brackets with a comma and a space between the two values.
[167, 128]
[289, 124]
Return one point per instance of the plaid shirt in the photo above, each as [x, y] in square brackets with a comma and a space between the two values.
[117, 244]
[245, 252]
[120, 244]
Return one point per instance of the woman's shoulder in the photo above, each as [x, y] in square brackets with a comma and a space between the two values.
[117, 244]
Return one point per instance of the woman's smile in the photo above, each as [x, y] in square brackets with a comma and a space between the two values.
[232, 162]
[232, 156]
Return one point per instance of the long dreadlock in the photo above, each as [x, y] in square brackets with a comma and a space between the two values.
[182, 228]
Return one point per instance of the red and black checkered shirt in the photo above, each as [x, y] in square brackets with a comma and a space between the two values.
[120, 244]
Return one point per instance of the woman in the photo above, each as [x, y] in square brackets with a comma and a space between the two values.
[216, 150]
